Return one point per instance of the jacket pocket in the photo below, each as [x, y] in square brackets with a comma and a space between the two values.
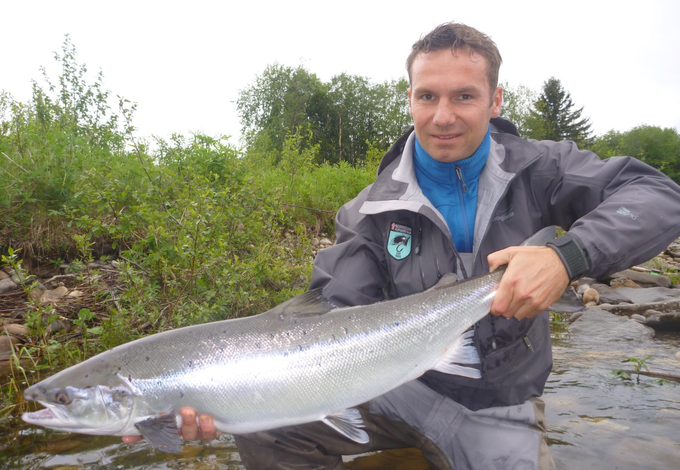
[521, 359]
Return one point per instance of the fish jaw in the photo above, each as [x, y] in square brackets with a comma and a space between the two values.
[94, 410]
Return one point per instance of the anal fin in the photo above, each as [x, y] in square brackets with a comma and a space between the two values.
[161, 432]
[348, 423]
[460, 356]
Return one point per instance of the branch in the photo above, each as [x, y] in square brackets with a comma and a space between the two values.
[656, 375]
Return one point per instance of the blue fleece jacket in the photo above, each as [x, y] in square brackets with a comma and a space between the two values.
[452, 189]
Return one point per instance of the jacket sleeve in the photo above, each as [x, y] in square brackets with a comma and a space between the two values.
[622, 211]
[353, 270]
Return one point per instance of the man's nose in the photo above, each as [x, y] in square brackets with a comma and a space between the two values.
[445, 114]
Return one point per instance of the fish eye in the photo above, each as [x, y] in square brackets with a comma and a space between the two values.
[61, 397]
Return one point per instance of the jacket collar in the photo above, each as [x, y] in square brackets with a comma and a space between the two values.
[396, 187]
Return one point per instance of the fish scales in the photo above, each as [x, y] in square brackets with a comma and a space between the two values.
[272, 370]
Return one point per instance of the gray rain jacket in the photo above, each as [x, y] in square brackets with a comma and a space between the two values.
[620, 212]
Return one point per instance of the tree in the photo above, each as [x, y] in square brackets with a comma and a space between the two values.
[277, 103]
[342, 117]
[653, 145]
[553, 116]
[517, 103]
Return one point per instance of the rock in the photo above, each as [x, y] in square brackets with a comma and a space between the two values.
[35, 294]
[241, 227]
[664, 321]
[115, 264]
[15, 329]
[609, 295]
[677, 355]
[596, 326]
[638, 318]
[7, 285]
[649, 295]
[53, 296]
[650, 313]
[628, 310]
[644, 279]
[590, 295]
[58, 325]
[64, 268]
[624, 282]
[3, 275]
[96, 265]
[325, 242]
[575, 316]
[7, 343]
[315, 241]
[582, 288]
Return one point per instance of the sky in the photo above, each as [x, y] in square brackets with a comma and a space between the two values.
[184, 63]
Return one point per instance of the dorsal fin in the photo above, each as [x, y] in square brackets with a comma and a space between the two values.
[447, 280]
[307, 304]
[543, 236]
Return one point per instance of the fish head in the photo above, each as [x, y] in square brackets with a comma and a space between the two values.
[83, 403]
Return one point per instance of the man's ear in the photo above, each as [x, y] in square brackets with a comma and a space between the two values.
[496, 102]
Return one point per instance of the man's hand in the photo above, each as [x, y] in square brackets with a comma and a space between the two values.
[534, 279]
[190, 431]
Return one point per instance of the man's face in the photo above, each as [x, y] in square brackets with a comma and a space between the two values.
[450, 102]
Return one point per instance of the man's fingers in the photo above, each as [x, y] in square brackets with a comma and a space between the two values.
[499, 258]
[208, 431]
[502, 300]
[189, 429]
[131, 439]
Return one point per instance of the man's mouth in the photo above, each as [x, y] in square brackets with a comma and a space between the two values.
[446, 136]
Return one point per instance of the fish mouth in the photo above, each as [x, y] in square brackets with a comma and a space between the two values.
[44, 417]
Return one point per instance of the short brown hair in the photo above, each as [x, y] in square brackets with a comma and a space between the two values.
[456, 36]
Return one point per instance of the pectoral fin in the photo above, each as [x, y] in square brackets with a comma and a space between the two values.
[348, 423]
[460, 356]
[161, 432]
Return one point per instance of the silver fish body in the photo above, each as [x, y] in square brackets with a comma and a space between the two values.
[279, 368]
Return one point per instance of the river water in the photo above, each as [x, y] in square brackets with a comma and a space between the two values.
[596, 420]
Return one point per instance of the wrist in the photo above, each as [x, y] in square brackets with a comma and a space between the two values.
[574, 257]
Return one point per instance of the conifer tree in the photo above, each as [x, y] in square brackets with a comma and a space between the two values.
[553, 116]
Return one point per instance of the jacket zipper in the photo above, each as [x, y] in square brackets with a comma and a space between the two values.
[461, 197]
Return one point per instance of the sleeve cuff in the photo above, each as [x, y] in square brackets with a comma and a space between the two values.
[570, 250]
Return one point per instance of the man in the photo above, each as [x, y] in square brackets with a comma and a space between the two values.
[457, 196]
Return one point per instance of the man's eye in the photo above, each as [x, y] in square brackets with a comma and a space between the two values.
[427, 97]
[465, 97]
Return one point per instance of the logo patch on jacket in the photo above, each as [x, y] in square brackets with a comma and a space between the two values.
[399, 241]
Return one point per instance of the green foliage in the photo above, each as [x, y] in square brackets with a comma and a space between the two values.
[653, 145]
[638, 365]
[553, 116]
[341, 117]
[46, 146]
[517, 104]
